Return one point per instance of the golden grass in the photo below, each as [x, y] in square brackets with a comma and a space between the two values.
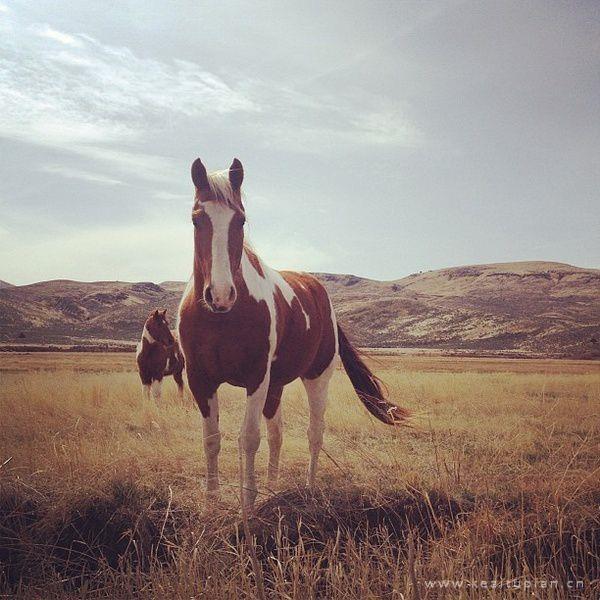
[515, 443]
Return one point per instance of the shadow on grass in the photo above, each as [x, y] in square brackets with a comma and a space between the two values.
[130, 528]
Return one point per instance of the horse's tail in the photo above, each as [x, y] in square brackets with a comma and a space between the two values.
[368, 386]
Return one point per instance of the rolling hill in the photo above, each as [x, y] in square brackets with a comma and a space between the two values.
[538, 308]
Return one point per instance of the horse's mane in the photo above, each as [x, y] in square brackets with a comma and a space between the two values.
[220, 186]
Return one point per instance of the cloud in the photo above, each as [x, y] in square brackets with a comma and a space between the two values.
[80, 174]
[322, 122]
[58, 36]
[149, 167]
[75, 93]
[171, 196]
[4, 8]
[388, 127]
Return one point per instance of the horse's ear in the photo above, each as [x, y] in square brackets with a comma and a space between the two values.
[155, 314]
[164, 312]
[236, 174]
[199, 175]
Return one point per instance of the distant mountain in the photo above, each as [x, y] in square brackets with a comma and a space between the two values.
[533, 307]
[5, 284]
[540, 308]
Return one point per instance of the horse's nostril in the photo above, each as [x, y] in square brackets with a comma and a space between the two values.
[232, 294]
[208, 296]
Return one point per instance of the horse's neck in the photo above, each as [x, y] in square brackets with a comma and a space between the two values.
[252, 272]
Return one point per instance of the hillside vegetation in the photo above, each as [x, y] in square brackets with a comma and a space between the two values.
[529, 308]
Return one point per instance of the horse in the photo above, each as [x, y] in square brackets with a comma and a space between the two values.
[243, 323]
[158, 355]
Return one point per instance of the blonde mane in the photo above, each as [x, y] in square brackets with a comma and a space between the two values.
[220, 186]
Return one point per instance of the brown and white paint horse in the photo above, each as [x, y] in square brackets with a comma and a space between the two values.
[243, 323]
[158, 355]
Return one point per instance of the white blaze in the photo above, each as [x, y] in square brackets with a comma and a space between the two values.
[221, 279]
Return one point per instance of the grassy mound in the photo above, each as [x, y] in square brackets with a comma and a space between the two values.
[137, 538]
[319, 517]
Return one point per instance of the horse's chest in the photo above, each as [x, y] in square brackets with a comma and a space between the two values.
[232, 350]
[152, 362]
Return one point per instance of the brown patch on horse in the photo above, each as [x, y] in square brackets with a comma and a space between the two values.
[236, 240]
[202, 242]
[254, 261]
[304, 349]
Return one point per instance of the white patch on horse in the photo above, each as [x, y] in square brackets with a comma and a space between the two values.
[262, 289]
[146, 335]
[265, 288]
[168, 365]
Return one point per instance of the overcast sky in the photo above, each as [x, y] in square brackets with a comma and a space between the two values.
[378, 138]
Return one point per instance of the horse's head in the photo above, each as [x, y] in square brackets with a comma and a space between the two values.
[158, 327]
[218, 218]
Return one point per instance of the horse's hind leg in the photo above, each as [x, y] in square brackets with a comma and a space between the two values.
[316, 390]
[274, 421]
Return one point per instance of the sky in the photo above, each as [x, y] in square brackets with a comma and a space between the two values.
[378, 138]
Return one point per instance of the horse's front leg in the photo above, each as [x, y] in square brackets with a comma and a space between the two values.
[211, 439]
[205, 395]
[249, 439]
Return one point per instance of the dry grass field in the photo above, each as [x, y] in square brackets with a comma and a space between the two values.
[493, 492]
